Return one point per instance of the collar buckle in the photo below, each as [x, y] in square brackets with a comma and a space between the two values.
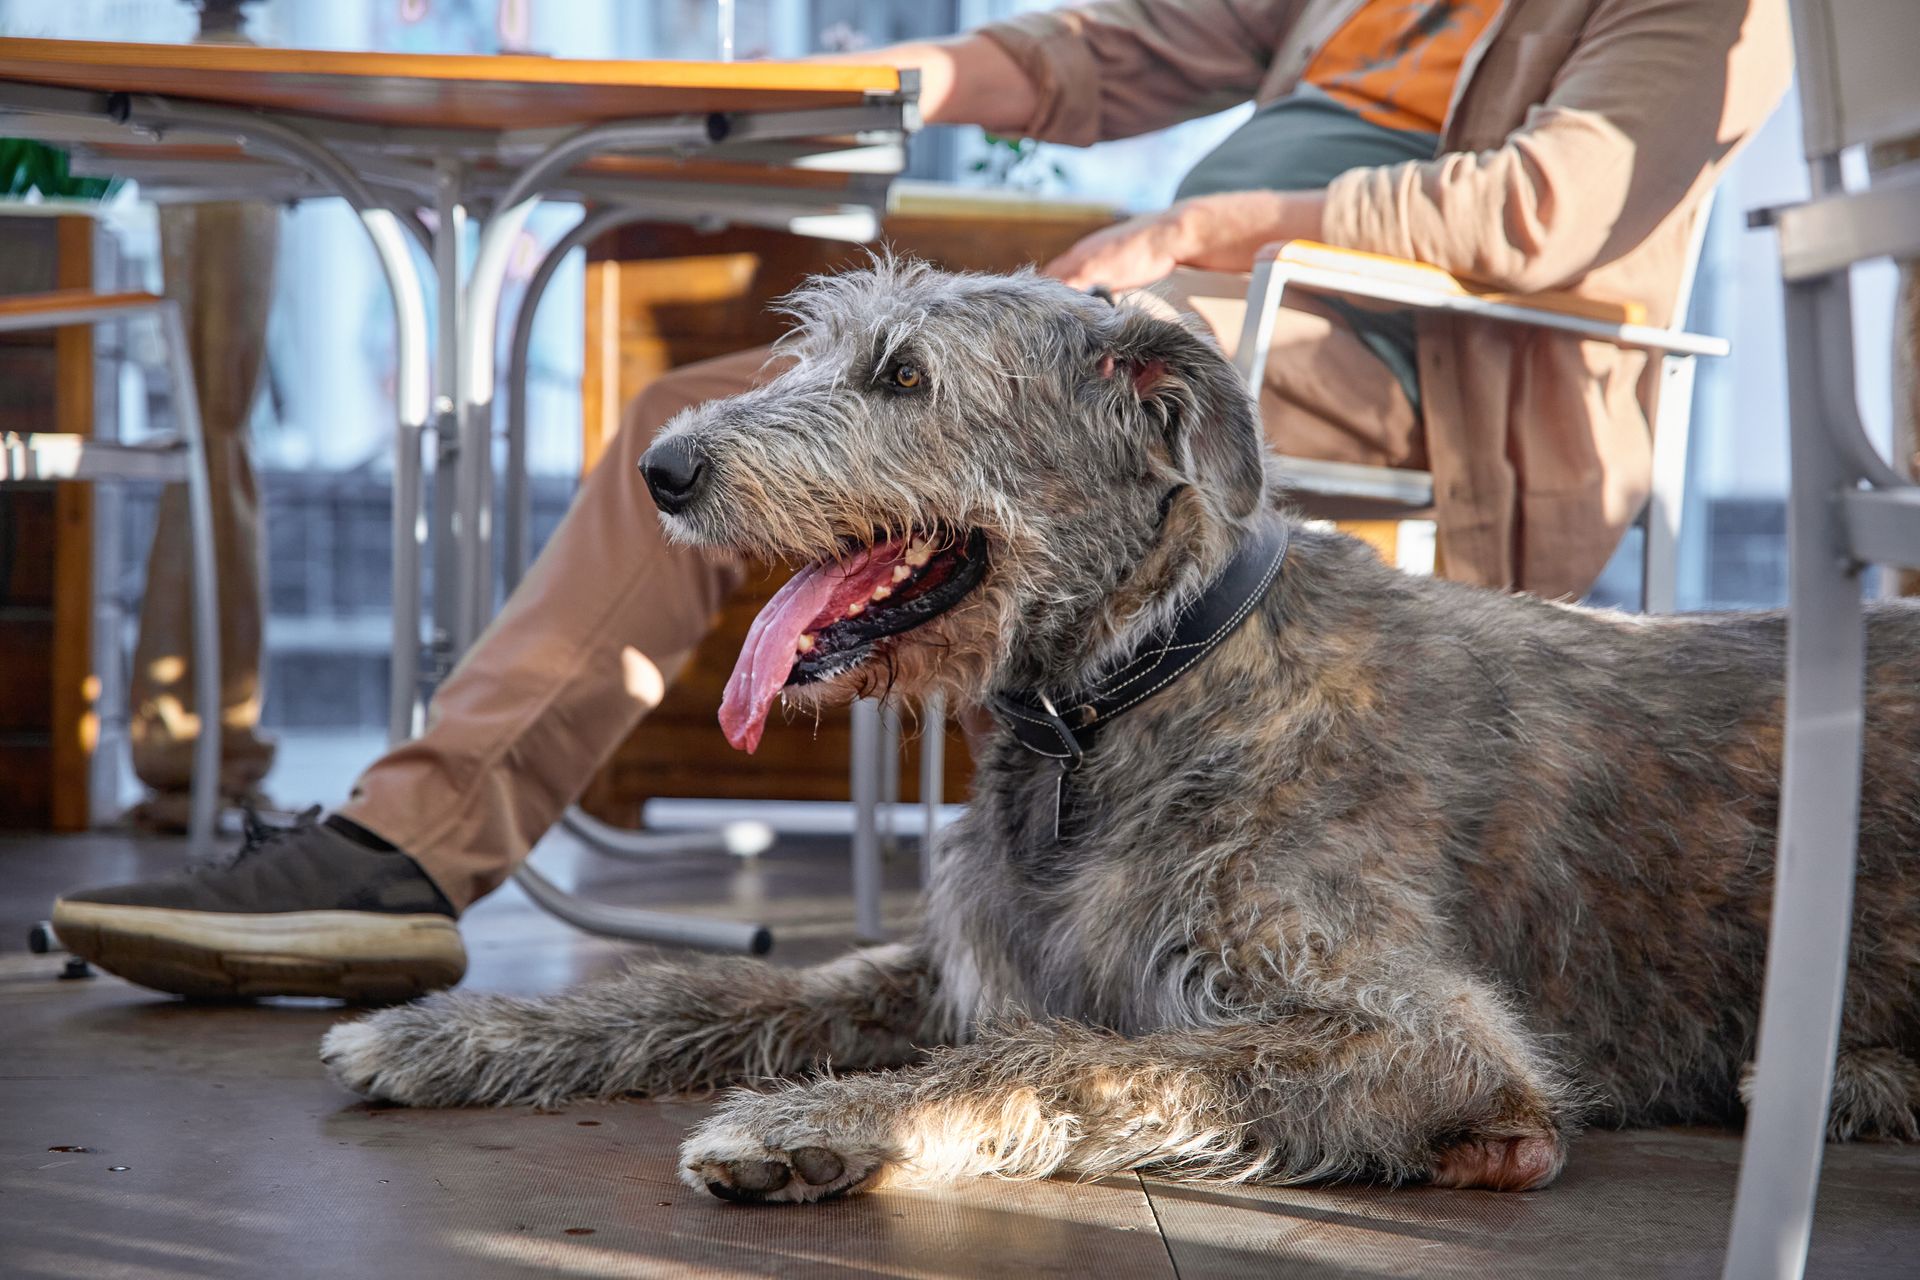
[1071, 760]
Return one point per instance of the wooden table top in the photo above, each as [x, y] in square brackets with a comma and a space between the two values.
[468, 91]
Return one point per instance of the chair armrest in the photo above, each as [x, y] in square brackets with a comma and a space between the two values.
[1323, 268]
[1380, 267]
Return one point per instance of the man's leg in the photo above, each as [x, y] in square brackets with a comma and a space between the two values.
[585, 647]
[362, 905]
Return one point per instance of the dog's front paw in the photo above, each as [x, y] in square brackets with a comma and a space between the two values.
[764, 1154]
[411, 1054]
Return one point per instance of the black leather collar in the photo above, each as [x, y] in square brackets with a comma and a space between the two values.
[1064, 729]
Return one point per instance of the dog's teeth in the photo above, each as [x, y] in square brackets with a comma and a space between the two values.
[881, 592]
[918, 553]
[857, 608]
[901, 573]
[805, 645]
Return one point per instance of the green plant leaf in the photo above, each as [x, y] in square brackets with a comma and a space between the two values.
[27, 166]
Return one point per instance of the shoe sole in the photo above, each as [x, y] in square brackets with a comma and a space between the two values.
[358, 956]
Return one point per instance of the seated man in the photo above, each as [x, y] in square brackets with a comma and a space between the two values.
[1530, 145]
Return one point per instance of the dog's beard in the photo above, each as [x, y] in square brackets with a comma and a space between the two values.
[828, 619]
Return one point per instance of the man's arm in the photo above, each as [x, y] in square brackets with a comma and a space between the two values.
[1646, 109]
[967, 79]
[1117, 68]
[1111, 69]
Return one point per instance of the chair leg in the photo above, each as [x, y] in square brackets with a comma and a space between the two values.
[889, 778]
[867, 736]
[203, 801]
[1819, 815]
[933, 772]
[1660, 556]
[1264, 292]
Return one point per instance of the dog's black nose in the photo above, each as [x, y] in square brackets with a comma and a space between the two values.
[675, 473]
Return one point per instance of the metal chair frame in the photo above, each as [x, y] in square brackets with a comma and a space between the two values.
[1846, 508]
[1417, 287]
[33, 456]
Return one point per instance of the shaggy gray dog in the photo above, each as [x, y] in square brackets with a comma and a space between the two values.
[1404, 880]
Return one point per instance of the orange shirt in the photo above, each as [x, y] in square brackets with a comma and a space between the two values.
[1394, 62]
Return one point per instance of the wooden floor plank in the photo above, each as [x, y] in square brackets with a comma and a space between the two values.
[1636, 1204]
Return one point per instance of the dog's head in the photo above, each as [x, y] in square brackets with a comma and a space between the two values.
[989, 479]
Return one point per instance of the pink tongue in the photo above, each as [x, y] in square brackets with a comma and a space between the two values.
[815, 596]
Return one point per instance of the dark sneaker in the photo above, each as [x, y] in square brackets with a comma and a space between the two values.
[315, 909]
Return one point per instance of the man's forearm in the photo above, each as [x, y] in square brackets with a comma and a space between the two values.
[1223, 232]
[967, 79]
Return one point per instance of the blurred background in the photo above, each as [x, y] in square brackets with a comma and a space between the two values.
[322, 423]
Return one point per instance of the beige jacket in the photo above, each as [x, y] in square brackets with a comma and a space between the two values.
[1582, 138]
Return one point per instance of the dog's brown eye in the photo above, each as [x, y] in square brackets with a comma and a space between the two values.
[907, 376]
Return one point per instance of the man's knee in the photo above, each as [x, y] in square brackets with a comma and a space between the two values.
[677, 390]
[662, 400]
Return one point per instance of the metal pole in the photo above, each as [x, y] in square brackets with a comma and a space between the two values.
[1660, 555]
[933, 772]
[480, 333]
[204, 801]
[413, 396]
[742, 839]
[1264, 292]
[866, 832]
[1819, 813]
[517, 516]
[643, 926]
[889, 777]
[449, 634]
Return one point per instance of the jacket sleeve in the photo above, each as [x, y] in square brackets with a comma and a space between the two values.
[1651, 100]
[1117, 68]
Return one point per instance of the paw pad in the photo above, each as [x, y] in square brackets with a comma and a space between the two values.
[817, 1165]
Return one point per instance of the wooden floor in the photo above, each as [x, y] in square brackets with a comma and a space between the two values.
[144, 1137]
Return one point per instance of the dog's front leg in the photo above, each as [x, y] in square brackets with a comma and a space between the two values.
[1394, 1092]
[659, 1028]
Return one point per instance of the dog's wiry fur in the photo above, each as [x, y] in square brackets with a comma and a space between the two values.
[1405, 881]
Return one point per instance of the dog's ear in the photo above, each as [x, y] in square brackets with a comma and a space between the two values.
[1211, 425]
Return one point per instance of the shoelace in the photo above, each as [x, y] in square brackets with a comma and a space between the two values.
[256, 833]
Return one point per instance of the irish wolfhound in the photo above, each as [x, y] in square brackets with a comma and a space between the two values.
[1398, 880]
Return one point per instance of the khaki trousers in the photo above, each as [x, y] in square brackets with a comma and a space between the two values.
[609, 611]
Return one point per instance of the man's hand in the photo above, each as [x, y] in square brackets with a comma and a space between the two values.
[1125, 255]
[1216, 233]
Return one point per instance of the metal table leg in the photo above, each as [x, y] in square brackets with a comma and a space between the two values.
[448, 517]
[413, 396]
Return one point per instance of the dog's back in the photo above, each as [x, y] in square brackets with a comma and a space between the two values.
[1619, 863]
[1581, 803]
